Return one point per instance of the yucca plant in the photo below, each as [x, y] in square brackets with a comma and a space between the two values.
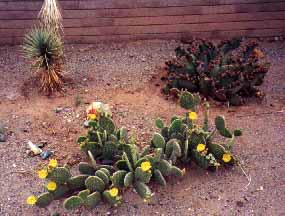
[45, 50]
[50, 16]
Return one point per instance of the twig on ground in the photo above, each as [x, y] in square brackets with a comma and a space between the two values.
[263, 113]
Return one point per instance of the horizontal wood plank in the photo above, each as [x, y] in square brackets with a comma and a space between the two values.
[121, 4]
[144, 21]
[142, 12]
[165, 36]
[155, 29]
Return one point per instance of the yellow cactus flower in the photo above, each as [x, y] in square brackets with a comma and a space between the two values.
[53, 163]
[227, 157]
[146, 166]
[193, 116]
[32, 200]
[114, 192]
[43, 173]
[92, 116]
[201, 147]
[51, 186]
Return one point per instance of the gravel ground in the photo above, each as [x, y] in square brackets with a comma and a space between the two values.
[120, 74]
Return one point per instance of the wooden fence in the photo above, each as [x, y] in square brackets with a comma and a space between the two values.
[89, 21]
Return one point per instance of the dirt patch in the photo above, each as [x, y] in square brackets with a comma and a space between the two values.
[120, 74]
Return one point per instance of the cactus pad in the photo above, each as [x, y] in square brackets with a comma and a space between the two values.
[177, 172]
[60, 175]
[93, 199]
[164, 167]
[159, 123]
[159, 177]
[61, 191]
[143, 190]
[186, 100]
[128, 180]
[44, 199]
[94, 183]
[102, 175]
[118, 178]
[115, 201]
[85, 168]
[158, 141]
[107, 124]
[175, 126]
[77, 182]
[72, 202]
[142, 176]
[109, 150]
[83, 194]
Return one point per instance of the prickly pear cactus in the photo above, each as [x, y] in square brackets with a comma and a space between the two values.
[227, 72]
[182, 142]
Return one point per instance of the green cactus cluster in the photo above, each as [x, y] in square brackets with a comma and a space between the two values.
[96, 188]
[227, 72]
[87, 189]
[65, 184]
[185, 141]
[136, 170]
[130, 173]
[103, 139]
[181, 142]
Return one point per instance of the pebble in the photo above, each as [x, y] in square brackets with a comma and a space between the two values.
[46, 154]
[58, 109]
[3, 137]
[240, 203]
[86, 124]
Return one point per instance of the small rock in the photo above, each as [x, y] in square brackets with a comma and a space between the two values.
[3, 137]
[240, 203]
[42, 143]
[58, 109]
[34, 148]
[276, 38]
[246, 198]
[86, 124]
[44, 155]
[213, 196]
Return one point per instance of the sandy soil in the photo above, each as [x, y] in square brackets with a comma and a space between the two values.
[120, 74]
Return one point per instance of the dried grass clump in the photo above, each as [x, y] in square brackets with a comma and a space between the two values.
[50, 16]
